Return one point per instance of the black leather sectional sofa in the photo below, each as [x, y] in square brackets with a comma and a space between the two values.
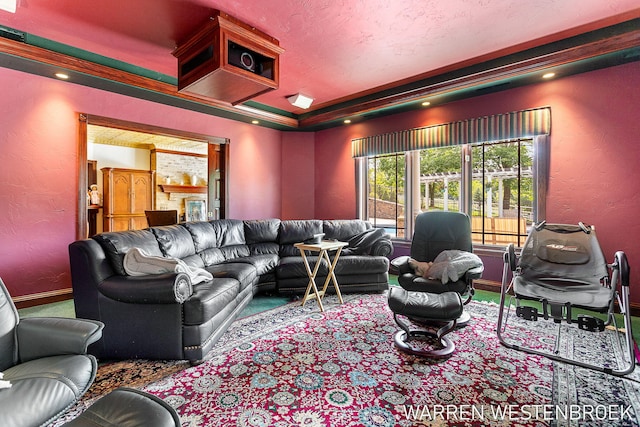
[165, 316]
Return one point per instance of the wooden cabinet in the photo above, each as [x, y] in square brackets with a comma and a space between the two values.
[127, 194]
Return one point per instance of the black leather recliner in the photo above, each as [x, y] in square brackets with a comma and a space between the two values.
[437, 231]
[46, 362]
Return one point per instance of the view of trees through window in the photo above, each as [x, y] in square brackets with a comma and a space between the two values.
[501, 185]
[386, 192]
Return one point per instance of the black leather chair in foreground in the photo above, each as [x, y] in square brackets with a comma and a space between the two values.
[435, 232]
[46, 363]
[428, 301]
[128, 407]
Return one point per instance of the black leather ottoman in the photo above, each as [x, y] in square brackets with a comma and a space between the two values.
[442, 310]
[128, 407]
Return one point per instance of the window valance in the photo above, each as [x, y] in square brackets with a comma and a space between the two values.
[500, 127]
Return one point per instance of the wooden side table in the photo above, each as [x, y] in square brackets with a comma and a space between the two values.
[323, 249]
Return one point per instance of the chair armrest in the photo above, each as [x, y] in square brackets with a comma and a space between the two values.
[382, 246]
[166, 288]
[51, 336]
[474, 273]
[400, 265]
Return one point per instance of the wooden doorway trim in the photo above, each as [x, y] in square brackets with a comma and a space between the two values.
[88, 119]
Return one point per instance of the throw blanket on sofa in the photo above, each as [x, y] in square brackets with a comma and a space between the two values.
[137, 263]
[4, 383]
[447, 266]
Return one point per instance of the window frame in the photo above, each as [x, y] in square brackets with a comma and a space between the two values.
[540, 168]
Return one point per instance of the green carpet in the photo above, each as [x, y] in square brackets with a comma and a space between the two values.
[258, 304]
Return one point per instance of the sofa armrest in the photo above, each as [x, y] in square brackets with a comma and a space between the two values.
[165, 288]
[51, 336]
[373, 241]
[400, 265]
[382, 246]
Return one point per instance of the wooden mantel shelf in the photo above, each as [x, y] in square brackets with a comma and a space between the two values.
[172, 188]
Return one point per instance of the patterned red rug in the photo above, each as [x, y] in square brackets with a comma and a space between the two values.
[295, 366]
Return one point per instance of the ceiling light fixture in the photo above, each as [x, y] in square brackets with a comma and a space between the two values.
[255, 122]
[548, 75]
[62, 76]
[426, 103]
[300, 100]
[347, 121]
[9, 5]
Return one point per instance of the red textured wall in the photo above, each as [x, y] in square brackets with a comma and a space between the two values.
[298, 161]
[38, 183]
[595, 154]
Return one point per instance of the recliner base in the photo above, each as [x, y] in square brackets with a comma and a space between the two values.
[401, 340]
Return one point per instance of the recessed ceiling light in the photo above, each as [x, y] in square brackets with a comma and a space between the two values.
[255, 122]
[426, 103]
[548, 75]
[9, 5]
[62, 76]
[300, 100]
[346, 122]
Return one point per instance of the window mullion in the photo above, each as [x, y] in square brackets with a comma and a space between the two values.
[466, 204]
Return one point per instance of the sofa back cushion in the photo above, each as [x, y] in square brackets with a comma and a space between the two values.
[262, 236]
[212, 256]
[296, 231]
[261, 231]
[202, 234]
[344, 229]
[175, 241]
[116, 244]
[218, 240]
[228, 232]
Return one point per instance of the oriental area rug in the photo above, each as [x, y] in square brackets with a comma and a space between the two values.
[296, 366]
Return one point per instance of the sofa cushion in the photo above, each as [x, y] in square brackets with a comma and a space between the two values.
[175, 241]
[354, 265]
[117, 243]
[296, 231]
[243, 272]
[208, 299]
[263, 263]
[261, 231]
[194, 261]
[264, 249]
[229, 231]
[344, 229]
[203, 235]
[212, 256]
[234, 251]
[293, 267]
[43, 388]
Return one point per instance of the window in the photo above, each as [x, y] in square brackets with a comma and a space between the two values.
[502, 192]
[500, 184]
[385, 201]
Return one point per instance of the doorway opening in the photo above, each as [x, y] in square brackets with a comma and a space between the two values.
[200, 173]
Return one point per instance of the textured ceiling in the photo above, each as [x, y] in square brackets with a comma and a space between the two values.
[147, 141]
[334, 49]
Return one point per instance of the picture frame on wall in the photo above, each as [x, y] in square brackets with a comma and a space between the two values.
[195, 210]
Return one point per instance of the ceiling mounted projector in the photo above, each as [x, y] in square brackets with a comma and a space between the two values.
[300, 100]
